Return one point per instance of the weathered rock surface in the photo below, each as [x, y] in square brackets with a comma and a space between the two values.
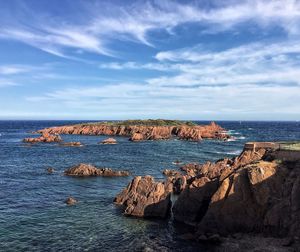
[144, 197]
[72, 144]
[256, 192]
[109, 141]
[45, 138]
[85, 170]
[249, 193]
[141, 132]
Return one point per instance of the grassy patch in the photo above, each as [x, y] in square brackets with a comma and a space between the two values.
[148, 122]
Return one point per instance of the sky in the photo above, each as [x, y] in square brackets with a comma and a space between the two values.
[193, 60]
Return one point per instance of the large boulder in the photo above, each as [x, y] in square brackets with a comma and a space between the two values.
[85, 170]
[144, 197]
[244, 200]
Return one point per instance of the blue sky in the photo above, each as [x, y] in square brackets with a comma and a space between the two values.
[198, 60]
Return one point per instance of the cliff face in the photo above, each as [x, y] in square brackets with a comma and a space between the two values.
[254, 192]
[140, 132]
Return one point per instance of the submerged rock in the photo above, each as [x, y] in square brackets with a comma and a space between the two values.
[144, 197]
[72, 144]
[45, 138]
[171, 173]
[109, 141]
[50, 170]
[85, 170]
[71, 201]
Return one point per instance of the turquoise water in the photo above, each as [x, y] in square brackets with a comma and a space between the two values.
[33, 216]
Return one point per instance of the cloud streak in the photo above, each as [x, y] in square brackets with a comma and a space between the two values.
[135, 21]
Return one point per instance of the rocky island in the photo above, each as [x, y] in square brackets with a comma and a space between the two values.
[256, 192]
[139, 130]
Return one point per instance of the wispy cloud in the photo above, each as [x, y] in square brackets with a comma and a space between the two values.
[13, 69]
[135, 21]
[134, 100]
[7, 82]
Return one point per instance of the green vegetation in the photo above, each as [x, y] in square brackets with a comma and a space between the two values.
[148, 122]
[295, 146]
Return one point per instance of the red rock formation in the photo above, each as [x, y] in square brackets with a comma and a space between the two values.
[138, 133]
[244, 194]
[144, 197]
[86, 170]
[45, 138]
[109, 141]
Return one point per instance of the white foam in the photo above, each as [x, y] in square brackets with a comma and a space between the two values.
[231, 140]
[235, 152]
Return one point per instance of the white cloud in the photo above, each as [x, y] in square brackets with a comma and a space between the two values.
[134, 100]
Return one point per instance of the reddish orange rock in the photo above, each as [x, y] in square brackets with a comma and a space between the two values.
[45, 138]
[142, 132]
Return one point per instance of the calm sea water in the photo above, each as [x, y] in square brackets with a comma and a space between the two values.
[33, 216]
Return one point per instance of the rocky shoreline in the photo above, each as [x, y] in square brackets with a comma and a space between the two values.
[257, 192]
[143, 131]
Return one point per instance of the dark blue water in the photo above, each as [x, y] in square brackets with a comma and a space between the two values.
[33, 216]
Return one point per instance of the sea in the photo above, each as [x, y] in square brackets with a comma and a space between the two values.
[34, 217]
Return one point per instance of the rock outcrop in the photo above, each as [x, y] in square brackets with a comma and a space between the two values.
[144, 197]
[144, 132]
[44, 138]
[109, 141]
[249, 193]
[86, 170]
[256, 192]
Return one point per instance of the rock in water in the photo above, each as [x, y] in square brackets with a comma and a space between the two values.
[109, 141]
[70, 201]
[86, 170]
[50, 170]
[144, 197]
[45, 138]
[144, 131]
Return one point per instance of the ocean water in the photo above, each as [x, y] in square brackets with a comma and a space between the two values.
[34, 217]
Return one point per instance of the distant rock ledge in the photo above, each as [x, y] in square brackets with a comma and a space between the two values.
[140, 130]
[44, 138]
[87, 170]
